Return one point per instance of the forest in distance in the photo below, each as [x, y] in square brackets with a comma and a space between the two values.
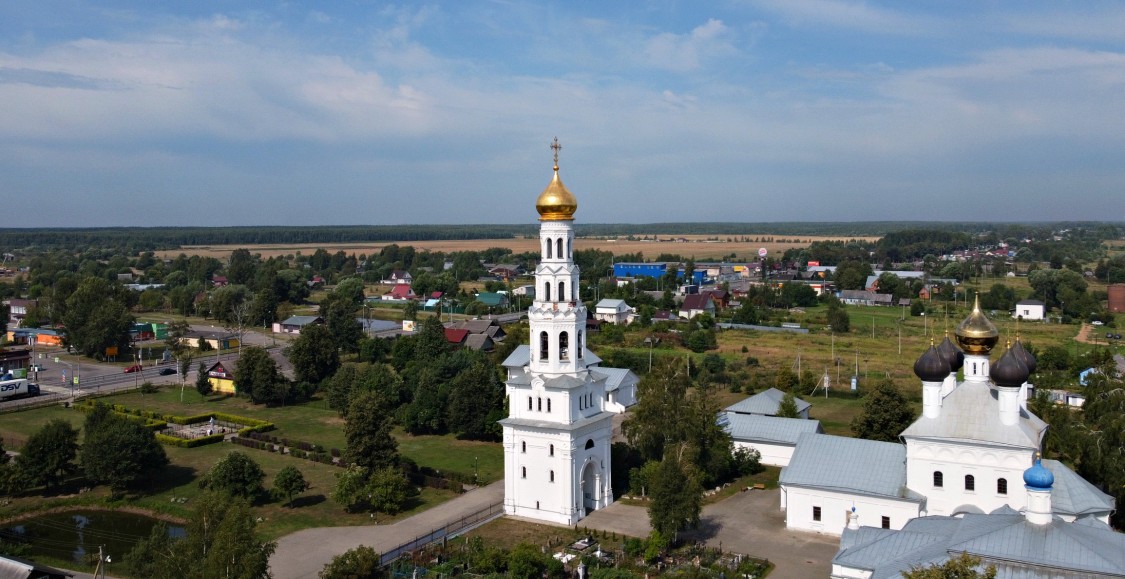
[136, 239]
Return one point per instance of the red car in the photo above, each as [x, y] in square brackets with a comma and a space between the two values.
[134, 368]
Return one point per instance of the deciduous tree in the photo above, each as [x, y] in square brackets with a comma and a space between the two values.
[48, 457]
[964, 566]
[788, 406]
[288, 482]
[314, 354]
[368, 433]
[886, 413]
[236, 474]
[676, 495]
[361, 562]
[117, 451]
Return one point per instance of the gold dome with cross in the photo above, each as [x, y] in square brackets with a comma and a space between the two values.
[556, 203]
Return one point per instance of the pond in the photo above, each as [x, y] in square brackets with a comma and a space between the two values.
[76, 535]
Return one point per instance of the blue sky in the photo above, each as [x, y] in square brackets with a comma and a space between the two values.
[351, 112]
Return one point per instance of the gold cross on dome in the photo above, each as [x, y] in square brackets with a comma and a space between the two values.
[556, 146]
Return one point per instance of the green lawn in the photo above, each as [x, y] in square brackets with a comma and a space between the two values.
[316, 423]
[181, 480]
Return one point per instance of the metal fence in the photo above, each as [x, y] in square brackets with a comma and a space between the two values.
[465, 523]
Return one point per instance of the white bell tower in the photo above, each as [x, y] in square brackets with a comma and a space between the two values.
[557, 435]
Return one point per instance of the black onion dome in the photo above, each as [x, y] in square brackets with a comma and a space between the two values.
[952, 354]
[931, 366]
[1009, 371]
[1024, 356]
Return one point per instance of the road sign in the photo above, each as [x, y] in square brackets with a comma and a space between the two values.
[762, 252]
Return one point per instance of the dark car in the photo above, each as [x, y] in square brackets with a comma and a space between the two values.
[167, 371]
[134, 368]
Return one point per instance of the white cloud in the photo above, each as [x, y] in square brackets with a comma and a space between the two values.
[848, 15]
[684, 52]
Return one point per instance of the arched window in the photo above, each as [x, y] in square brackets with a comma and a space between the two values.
[1002, 486]
[558, 246]
[569, 255]
[562, 290]
[546, 291]
[529, 406]
[939, 479]
[970, 483]
[564, 346]
[549, 249]
[552, 476]
[589, 444]
[523, 472]
[544, 342]
[523, 446]
[551, 451]
[540, 404]
[579, 344]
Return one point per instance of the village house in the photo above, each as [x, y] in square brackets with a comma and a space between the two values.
[294, 324]
[696, 304]
[612, 311]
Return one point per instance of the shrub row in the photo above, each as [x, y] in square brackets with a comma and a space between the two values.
[188, 442]
[149, 421]
[270, 446]
[292, 445]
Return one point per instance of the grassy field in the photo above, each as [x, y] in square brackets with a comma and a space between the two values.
[316, 423]
[695, 246]
[312, 422]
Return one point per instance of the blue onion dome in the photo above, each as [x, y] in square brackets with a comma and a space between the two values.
[1038, 477]
[1009, 371]
[931, 366]
[1024, 356]
[952, 354]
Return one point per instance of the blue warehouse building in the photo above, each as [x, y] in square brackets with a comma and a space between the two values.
[653, 269]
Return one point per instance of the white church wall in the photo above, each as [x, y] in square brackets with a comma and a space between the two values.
[772, 454]
[987, 465]
[802, 506]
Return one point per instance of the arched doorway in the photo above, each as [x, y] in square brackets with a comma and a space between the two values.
[591, 487]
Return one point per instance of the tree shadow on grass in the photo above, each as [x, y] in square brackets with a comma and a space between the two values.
[167, 478]
[306, 501]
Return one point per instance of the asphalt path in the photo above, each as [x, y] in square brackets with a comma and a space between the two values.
[57, 378]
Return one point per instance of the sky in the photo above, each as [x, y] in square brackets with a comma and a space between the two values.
[234, 112]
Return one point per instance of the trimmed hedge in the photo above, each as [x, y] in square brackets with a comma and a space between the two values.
[156, 422]
[188, 442]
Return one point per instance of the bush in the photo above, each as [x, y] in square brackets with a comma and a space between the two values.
[188, 442]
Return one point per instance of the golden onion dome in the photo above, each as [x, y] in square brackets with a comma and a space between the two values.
[976, 334]
[556, 203]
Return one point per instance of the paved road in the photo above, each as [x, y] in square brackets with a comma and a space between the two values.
[749, 522]
[303, 554]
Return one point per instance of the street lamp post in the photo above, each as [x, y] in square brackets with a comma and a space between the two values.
[650, 343]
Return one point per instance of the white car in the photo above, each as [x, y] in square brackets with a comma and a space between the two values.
[1096, 322]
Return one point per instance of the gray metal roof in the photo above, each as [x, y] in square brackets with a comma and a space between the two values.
[1018, 548]
[765, 402]
[301, 320]
[615, 377]
[521, 357]
[772, 429]
[971, 413]
[611, 304]
[1074, 495]
[849, 465]
[577, 424]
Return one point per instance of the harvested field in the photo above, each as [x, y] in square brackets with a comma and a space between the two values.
[695, 246]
